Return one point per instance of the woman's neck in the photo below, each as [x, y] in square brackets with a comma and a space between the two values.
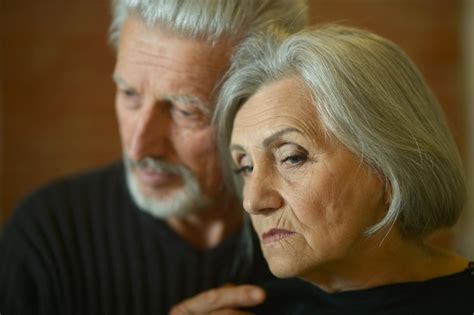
[381, 261]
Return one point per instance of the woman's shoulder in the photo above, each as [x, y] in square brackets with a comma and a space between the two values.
[289, 296]
[454, 285]
[450, 294]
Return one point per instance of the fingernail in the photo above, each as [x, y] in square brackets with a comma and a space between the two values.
[257, 294]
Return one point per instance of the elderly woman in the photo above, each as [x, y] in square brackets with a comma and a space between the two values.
[346, 165]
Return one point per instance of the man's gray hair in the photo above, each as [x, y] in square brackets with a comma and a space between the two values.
[211, 19]
[371, 98]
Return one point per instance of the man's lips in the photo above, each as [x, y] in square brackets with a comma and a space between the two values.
[152, 178]
[274, 235]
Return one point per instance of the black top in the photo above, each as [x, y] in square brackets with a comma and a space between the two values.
[448, 295]
[80, 246]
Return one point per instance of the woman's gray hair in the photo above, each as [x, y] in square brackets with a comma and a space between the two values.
[370, 97]
[211, 19]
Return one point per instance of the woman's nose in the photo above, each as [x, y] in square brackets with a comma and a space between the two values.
[260, 194]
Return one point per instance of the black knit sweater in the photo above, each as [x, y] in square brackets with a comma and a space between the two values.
[448, 295]
[80, 246]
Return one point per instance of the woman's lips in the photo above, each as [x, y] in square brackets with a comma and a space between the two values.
[274, 235]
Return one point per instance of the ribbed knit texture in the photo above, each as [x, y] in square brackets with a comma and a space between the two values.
[80, 246]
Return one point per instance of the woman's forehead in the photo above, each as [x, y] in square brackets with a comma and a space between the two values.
[282, 104]
[284, 96]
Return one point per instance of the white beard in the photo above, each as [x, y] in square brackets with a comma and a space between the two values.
[185, 200]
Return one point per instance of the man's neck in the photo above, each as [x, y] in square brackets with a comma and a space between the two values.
[207, 228]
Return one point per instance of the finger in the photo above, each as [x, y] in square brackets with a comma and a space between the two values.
[219, 299]
[229, 312]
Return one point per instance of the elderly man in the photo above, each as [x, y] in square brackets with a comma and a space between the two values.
[140, 236]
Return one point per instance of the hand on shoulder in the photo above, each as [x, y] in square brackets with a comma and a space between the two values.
[224, 300]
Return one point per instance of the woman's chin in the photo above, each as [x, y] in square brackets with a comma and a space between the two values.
[283, 269]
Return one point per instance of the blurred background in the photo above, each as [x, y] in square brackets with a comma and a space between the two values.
[56, 94]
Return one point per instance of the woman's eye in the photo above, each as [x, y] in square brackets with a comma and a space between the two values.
[294, 159]
[244, 170]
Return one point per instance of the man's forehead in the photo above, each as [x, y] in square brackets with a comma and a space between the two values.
[167, 52]
[136, 31]
[181, 69]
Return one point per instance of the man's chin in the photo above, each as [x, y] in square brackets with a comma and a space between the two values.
[159, 193]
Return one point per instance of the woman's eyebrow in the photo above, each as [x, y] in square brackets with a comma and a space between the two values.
[269, 140]
[236, 147]
[272, 138]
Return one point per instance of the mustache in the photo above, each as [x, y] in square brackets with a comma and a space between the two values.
[155, 165]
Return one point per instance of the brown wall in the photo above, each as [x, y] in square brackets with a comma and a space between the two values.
[56, 95]
[57, 104]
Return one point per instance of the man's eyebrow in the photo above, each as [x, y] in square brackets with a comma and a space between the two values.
[119, 81]
[183, 99]
[270, 139]
[189, 100]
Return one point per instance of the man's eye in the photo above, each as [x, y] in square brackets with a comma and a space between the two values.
[244, 170]
[129, 93]
[179, 110]
[187, 117]
[185, 113]
[129, 98]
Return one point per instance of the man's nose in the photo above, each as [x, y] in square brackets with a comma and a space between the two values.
[151, 134]
[260, 194]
